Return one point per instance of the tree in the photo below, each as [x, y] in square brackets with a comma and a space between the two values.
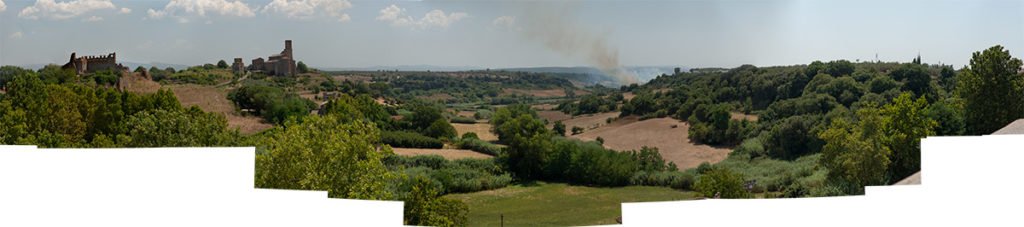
[529, 145]
[324, 153]
[559, 128]
[302, 67]
[904, 124]
[721, 182]
[440, 129]
[991, 89]
[185, 128]
[856, 155]
[425, 207]
[222, 64]
[915, 78]
[54, 74]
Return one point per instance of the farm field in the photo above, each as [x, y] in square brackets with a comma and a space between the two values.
[672, 143]
[482, 130]
[590, 121]
[450, 154]
[557, 204]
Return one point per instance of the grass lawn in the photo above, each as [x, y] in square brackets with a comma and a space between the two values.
[551, 204]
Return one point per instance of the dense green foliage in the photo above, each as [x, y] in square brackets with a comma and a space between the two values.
[535, 153]
[591, 103]
[991, 88]
[49, 114]
[458, 176]
[272, 103]
[721, 183]
[467, 87]
[324, 153]
[410, 140]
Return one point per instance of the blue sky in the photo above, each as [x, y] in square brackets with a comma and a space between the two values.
[496, 34]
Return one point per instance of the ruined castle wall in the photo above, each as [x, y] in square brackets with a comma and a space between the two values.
[100, 63]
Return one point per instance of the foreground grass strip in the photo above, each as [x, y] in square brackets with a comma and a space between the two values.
[551, 204]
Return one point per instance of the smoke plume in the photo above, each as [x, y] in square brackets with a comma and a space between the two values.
[553, 25]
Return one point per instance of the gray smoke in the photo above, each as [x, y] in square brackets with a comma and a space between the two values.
[553, 24]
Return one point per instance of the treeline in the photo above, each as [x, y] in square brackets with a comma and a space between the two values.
[484, 87]
[37, 109]
[535, 153]
[870, 112]
[272, 103]
[592, 103]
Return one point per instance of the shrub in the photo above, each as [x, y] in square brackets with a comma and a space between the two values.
[721, 182]
[576, 130]
[463, 120]
[440, 129]
[478, 145]
[672, 179]
[409, 140]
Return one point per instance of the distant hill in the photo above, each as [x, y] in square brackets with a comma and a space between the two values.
[405, 68]
[596, 76]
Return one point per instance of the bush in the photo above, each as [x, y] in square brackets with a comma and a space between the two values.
[721, 182]
[463, 120]
[475, 144]
[672, 179]
[409, 140]
[576, 130]
[440, 129]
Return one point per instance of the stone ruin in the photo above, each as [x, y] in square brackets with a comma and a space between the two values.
[282, 64]
[91, 64]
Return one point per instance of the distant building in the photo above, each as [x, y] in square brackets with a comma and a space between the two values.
[91, 64]
[238, 67]
[282, 64]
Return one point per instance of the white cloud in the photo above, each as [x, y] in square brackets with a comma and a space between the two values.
[182, 9]
[435, 18]
[63, 10]
[306, 9]
[125, 11]
[2, 6]
[16, 35]
[504, 21]
[93, 19]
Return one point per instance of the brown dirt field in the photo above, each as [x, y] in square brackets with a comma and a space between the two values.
[557, 92]
[671, 142]
[135, 83]
[482, 130]
[741, 116]
[628, 96]
[212, 99]
[546, 106]
[450, 154]
[465, 113]
[588, 122]
[552, 116]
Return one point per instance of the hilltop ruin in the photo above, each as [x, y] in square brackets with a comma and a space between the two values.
[91, 64]
[282, 64]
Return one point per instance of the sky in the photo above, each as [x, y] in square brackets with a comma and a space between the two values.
[501, 34]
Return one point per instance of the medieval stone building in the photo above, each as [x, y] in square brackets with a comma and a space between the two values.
[92, 64]
[282, 64]
[238, 67]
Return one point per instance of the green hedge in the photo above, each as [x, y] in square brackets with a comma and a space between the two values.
[409, 140]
